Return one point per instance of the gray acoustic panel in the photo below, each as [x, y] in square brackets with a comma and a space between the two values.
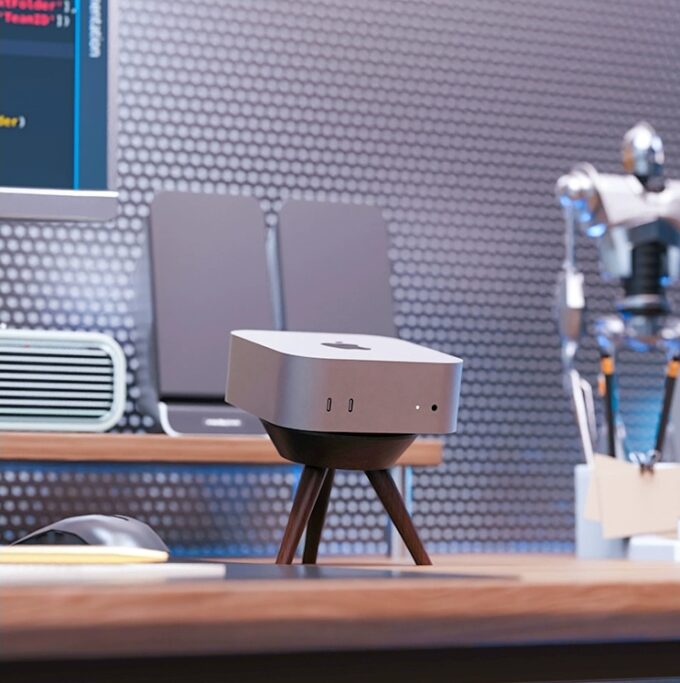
[209, 275]
[335, 273]
[453, 117]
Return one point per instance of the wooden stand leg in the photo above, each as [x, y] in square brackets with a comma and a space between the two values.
[318, 517]
[307, 492]
[388, 493]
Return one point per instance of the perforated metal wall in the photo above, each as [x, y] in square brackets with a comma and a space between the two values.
[455, 117]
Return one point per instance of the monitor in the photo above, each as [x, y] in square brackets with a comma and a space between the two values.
[57, 110]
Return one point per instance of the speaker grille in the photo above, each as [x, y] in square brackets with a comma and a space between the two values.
[68, 382]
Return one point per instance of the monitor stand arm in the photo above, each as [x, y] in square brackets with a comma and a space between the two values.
[322, 453]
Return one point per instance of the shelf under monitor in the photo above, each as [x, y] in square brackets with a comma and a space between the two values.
[159, 448]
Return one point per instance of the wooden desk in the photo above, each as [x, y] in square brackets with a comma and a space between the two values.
[537, 618]
[243, 450]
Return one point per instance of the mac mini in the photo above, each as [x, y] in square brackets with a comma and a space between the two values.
[343, 383]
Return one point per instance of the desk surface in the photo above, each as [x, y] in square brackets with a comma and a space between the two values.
[250, 450]
[532, 600]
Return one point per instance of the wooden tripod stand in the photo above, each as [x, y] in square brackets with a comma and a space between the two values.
[322, 453]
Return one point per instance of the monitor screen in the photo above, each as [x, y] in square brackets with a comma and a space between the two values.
[55, 126]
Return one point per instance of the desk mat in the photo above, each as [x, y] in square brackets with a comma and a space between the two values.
[172, 572]
[245, 571]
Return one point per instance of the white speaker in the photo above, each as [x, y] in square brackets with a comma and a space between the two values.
[60, 381]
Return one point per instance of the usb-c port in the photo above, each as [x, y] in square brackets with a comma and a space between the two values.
[350, 405]
[329, 403]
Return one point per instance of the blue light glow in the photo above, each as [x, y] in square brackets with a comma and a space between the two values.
[596, 230]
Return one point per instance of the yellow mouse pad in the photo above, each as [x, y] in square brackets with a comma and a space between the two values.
[78, 554]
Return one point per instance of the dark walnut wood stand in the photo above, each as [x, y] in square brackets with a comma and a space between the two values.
[322, 453]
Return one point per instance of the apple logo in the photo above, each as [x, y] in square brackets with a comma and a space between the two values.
[345, 346]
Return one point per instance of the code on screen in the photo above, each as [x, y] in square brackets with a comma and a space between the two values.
[53, 100]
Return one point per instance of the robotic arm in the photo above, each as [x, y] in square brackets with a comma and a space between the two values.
[576, 194]
[635, 221]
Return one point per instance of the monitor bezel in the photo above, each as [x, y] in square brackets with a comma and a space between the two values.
[27, 203]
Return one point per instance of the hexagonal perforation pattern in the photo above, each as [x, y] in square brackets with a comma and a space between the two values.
[456, 118]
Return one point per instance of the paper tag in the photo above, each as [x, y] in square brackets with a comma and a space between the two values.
[628, 501]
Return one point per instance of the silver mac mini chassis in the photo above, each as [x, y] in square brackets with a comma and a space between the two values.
[343, 382]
